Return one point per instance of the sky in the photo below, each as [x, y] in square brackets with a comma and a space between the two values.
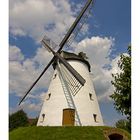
[106, 35]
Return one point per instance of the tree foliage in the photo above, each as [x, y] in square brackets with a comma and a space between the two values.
[124, 124]
[122, 83]
[18, 119]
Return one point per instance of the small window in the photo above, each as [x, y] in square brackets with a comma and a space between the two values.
[43, 117]
[48, 97]
[91, 96]
[54, 76]
[95, 117]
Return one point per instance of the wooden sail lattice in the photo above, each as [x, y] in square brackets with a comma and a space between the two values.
[73, 84]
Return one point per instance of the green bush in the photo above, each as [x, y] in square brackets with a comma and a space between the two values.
[124, 124]
[18, 119]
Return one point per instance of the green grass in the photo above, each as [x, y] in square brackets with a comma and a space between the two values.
[59, 133]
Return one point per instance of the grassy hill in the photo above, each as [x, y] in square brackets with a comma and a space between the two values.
[63, 133]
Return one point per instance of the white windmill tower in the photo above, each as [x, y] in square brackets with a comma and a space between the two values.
[71, 98]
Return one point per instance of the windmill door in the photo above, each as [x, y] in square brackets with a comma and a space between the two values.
[68, 117]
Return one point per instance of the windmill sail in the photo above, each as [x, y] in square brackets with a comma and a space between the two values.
[71, 82]
[66, 64]
[49, 43]
[79, 26]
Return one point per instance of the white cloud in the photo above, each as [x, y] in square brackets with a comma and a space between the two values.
[29, 106]
[15, 54]
[38, 17]
[102, 83]
[26, 106]
[97, 48]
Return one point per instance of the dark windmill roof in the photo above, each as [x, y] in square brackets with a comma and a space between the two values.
[73, 56]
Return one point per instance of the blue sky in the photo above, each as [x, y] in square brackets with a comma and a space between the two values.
[108, 34]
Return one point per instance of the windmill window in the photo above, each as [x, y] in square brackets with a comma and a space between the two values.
[43, 117]
[91, 96]
[54, 76]
[95, 117]
[48, 97]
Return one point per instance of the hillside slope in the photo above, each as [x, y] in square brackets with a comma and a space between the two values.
[64, 133]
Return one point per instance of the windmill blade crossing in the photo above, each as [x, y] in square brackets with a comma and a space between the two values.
[48, 42]
[65, 63]
[77, 76]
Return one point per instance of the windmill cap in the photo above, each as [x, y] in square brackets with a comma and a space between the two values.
[72, 56]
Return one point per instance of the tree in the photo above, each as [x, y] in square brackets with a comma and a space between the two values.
[18, 119]
[124, 124]
[122, 84]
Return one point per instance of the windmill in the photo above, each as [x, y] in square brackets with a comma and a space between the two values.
[71, 99]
